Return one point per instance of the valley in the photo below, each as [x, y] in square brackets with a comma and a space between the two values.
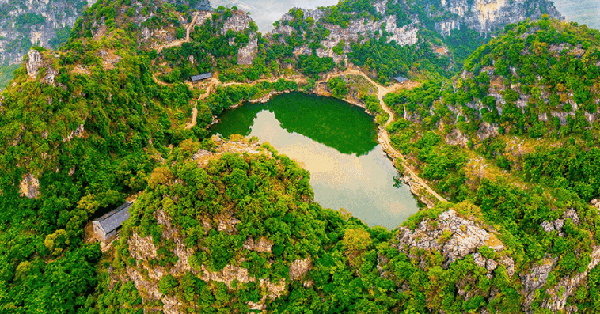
[376, 157]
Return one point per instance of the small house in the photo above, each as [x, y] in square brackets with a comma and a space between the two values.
[201, 77]
[401, 79]
[106, 227]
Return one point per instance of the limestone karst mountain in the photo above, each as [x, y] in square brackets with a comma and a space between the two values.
[510, 141]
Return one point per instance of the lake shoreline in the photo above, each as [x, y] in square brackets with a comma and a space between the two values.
[417, 189]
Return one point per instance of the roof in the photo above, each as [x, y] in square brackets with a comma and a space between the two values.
[401, 79]
[201, 76]
[115, 218]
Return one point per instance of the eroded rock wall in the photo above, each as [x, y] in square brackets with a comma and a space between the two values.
[485, 16]
[34, 22]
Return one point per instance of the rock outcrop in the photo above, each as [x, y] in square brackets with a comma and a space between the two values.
[359, 30]
[150, 258]
[482, 16]
[247, 53]
[30, 187]
[455, 238]
[38, 63]
[47, 23]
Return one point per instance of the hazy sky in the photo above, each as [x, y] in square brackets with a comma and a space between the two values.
[265, 12]
[581, 11]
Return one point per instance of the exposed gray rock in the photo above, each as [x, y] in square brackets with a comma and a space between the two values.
[572, 214]
[238, 22]
[548, 226]
[77, 133]
[453, 236]
[488, 130]
[30, 187]
[50, 16]
[200, 153]
[262, 245]
[568, 285]
[246, 54]
[559, 223]
[485, 16]
[299, 268]
[535, 279]
[491, 265]
[456, 137]
[405, 35]
[36, 63]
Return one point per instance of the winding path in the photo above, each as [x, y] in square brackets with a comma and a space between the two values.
[179, 42]
[384, 138]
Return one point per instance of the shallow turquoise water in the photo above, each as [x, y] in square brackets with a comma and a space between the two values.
[337, 143]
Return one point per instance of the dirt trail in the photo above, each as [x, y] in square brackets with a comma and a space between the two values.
[159, 82]
[212, 83]
[179, 42]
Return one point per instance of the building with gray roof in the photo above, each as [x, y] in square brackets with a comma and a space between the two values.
[400, 79]
[201, 77]
[106, 227]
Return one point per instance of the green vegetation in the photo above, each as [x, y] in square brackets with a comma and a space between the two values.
[128, 122]
[6, 74]
[29, 19]
[520, 169]
[512, 143]
[62, 34]
[338, 87]
[269, 197]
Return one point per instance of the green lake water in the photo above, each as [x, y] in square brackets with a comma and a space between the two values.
[337, 143]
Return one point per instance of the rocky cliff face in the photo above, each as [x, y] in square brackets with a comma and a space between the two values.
[44, 23]
[47, 23]
[401, 22]
[239, 22]
[485, 16]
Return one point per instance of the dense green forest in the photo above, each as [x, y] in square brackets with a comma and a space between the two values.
[511, 142]
[269, 197]
[511, 134]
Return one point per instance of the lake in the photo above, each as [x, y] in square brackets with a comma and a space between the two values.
[337, 143]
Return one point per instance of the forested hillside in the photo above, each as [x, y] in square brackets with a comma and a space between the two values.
[511, 141]
[234, 228]
[516, 133]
